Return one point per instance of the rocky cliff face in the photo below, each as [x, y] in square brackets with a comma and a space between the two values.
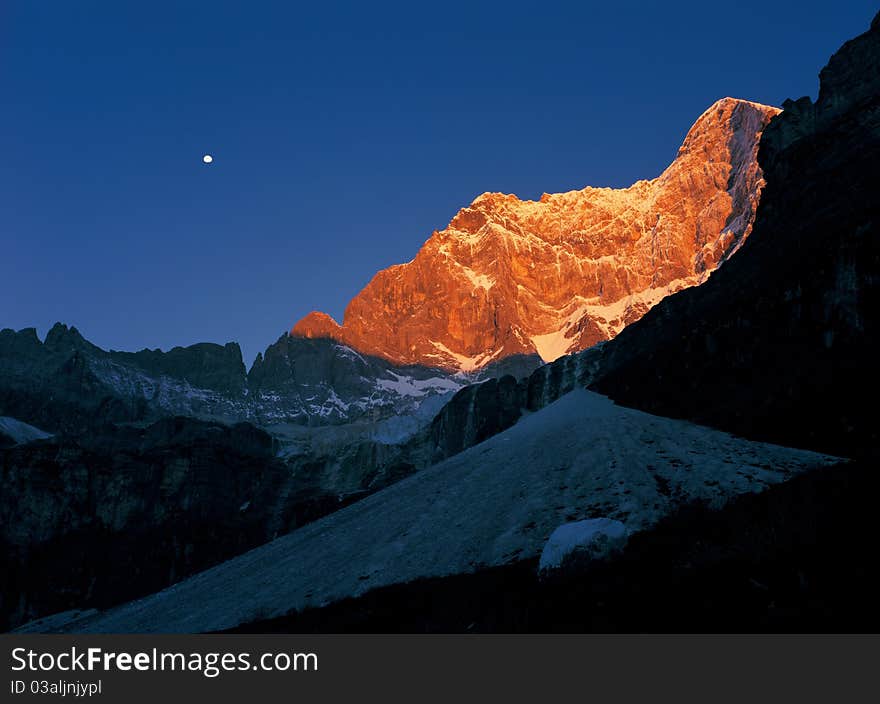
[558, 275]
[95, 520]
[67, 383]
[781, 343]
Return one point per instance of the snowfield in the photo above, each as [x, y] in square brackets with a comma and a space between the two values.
[581, 457]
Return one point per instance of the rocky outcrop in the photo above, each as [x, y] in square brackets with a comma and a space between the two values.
[479, 411]
[511, 277]
[475, 413]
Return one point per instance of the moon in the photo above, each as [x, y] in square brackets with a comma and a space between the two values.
[207, 158]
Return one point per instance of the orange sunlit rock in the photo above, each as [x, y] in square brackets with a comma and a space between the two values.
[560, 274]
[317, 324]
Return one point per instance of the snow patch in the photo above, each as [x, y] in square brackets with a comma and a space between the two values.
[465, 363]
[609, 317]
[478, 280]
[416, 388]
[346, 351]
[20, 432]
[552, 345]
[595, 537]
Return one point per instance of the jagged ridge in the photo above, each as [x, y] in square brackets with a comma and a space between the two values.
[558, 275]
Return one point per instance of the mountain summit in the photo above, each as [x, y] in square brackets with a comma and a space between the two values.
[557, 275]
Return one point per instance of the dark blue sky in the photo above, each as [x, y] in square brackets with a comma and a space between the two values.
[343, 134]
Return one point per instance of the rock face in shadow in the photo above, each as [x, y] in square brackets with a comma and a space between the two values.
[782, 342]
[479, 411]
[475, 413]
[66, 383]
[98, 520]
[203, 365]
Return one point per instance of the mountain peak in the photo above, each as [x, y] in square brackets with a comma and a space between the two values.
[727, 116]
[60, 335]
[316, 325]
[557, 275]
